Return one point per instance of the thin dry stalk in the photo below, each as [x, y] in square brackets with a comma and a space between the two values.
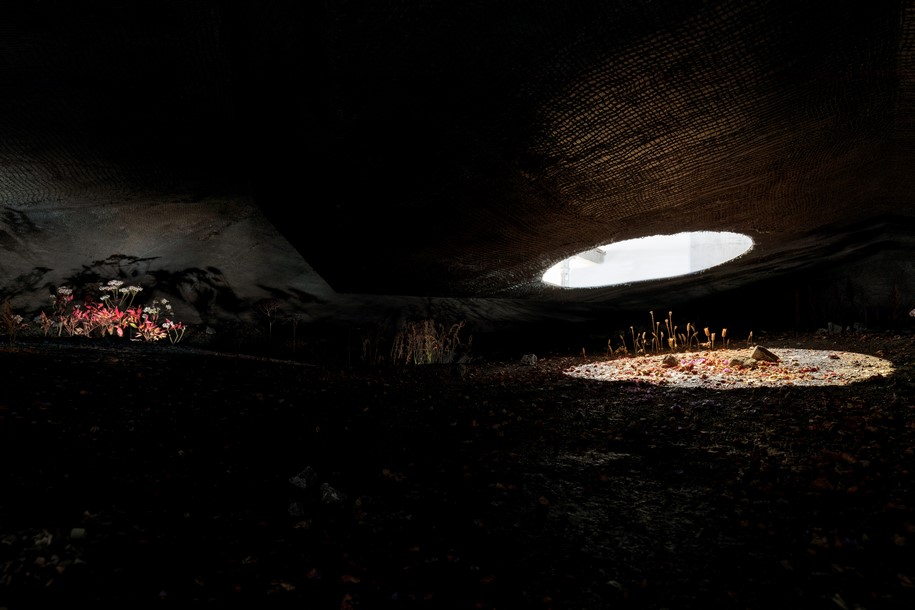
[427, 342]
[672, 339]
[671, 331]
[12, 322]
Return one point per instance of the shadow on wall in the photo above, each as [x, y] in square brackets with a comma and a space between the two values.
[26, 283]
[204, 293]
[17, 224]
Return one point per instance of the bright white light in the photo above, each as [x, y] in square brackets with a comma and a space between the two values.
[648, 258]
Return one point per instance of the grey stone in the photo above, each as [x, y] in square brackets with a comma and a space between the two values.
[761, 353]
[329, 495]
[305, 479]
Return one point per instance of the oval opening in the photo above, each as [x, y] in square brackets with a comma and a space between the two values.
[648, 258]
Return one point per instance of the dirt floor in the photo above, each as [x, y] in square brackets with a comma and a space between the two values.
[159, 477]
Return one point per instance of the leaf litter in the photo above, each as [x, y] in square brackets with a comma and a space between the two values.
[167, 481]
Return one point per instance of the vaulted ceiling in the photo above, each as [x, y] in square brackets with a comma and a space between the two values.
[226, 151]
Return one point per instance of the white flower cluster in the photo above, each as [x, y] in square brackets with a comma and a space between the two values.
[912, 313]
[156, 307]
[163, 303]
[118, 286]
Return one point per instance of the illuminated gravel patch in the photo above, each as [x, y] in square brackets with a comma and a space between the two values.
[730, 368]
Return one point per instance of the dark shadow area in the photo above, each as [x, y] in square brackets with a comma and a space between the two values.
[116, 266]
[156, 476]
[25, 283]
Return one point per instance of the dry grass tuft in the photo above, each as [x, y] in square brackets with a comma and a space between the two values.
[428, 342]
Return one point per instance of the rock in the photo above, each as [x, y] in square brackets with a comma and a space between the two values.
[669, 361]
[529, 359]
[304, 479]
[761, 353]
[329, 495]
[743, 363]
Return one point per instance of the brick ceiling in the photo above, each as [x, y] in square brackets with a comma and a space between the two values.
[449, 149]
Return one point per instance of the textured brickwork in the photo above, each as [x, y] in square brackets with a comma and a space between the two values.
[460, 149]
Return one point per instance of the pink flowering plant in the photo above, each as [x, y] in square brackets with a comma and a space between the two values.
[60, 305]
[114, 314]
[146, 322]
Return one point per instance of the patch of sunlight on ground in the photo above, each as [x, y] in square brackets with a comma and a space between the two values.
[731, 368]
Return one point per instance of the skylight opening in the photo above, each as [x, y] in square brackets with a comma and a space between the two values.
[648, 258]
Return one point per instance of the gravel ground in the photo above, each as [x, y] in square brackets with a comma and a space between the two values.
[145, 477]
[735, 368]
